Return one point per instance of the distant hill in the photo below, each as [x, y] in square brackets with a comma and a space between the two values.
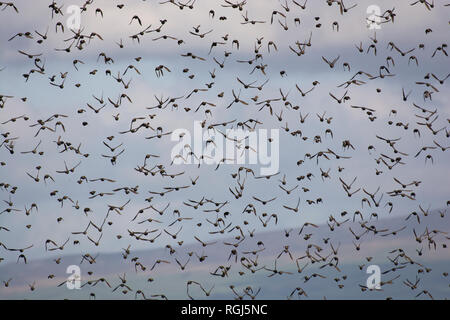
[171, 280]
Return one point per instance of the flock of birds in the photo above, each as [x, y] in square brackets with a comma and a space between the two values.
[238, 212]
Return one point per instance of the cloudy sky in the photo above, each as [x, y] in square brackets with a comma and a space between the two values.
[116, 26]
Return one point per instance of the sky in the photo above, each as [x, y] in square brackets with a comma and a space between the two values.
[43, 100]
